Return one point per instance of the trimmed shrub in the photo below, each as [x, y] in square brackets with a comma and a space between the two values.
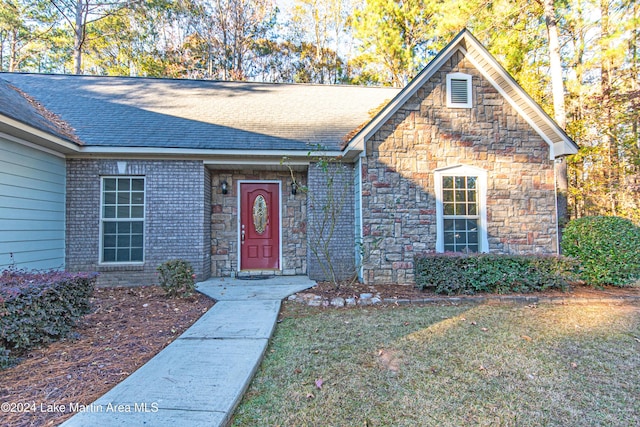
[607, 247]
[177, 278]
[455, 273]
[38, 308]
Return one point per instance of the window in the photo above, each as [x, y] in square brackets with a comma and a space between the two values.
[122, 219]
[460, 209]
[459, 90]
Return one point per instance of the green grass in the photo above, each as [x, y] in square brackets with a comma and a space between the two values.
[465, 365]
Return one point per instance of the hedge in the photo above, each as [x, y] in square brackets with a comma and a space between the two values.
[38, 308]
[455, 273]
[607, 247]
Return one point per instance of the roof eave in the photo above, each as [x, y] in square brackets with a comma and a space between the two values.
[24, 132]
[210, 155]
[562, 149]
[560, 144]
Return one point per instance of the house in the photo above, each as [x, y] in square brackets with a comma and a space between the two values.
[462, 159]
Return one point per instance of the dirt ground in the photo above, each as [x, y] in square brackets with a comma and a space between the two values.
[127, 327]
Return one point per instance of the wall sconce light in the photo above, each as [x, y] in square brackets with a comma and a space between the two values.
[294, 188]
[224, 187]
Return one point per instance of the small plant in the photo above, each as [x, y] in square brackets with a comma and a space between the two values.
[177, 278]
[607, 247]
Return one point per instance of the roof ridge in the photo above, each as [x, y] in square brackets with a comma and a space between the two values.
[213, 81]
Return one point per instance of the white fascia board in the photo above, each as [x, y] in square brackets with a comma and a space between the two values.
[241, 155]
[31, 145]
[358, 141]
[236, 161]
[563, 149]
[53, 142]
[513, 104]
[567, 146]
[357, 144]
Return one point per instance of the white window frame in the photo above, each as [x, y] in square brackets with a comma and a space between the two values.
[481, 185]
[460, 76]
[103, 220]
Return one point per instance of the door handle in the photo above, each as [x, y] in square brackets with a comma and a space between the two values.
[242, 234]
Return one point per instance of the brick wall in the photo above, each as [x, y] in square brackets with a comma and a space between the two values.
[206, 224]
[398, 199]
[336, 182]
[176, 217]
[224, 221]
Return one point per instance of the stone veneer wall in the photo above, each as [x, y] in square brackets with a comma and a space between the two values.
[176, 217]
[342, 244]
[398, 201]
[224, 221]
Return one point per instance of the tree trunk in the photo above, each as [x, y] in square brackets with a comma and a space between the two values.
[613, 173]
[78, 37]
[635, 74]
[555, 63]
[557, 89]
[13, 56]
[209, 59]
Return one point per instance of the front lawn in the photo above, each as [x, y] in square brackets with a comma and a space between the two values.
[450, 365]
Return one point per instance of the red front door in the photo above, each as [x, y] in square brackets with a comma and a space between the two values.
[259, 226]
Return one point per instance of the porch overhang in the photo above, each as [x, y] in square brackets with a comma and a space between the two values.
[218, 159]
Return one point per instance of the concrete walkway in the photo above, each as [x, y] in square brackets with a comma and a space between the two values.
[200, 378]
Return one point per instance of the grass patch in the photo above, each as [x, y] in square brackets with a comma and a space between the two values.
[507, 365]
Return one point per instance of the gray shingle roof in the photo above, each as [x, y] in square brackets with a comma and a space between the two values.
[164, 113]
[19, 106]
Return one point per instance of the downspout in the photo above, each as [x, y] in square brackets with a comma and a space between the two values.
[358, 231]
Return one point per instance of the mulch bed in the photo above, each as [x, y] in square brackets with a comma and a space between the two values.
[127, 327]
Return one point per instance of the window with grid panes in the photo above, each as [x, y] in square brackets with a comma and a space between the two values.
[461, 214]
[122, 219]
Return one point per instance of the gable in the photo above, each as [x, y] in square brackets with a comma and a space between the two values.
[469, 47]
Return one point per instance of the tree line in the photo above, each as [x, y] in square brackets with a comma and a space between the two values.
[578, 58]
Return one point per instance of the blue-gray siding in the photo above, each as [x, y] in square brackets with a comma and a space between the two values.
[32, 207]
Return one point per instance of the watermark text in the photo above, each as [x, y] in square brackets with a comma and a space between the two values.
[72, 408]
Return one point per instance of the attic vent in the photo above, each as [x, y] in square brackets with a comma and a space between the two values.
[459, 94]
[459, 90]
